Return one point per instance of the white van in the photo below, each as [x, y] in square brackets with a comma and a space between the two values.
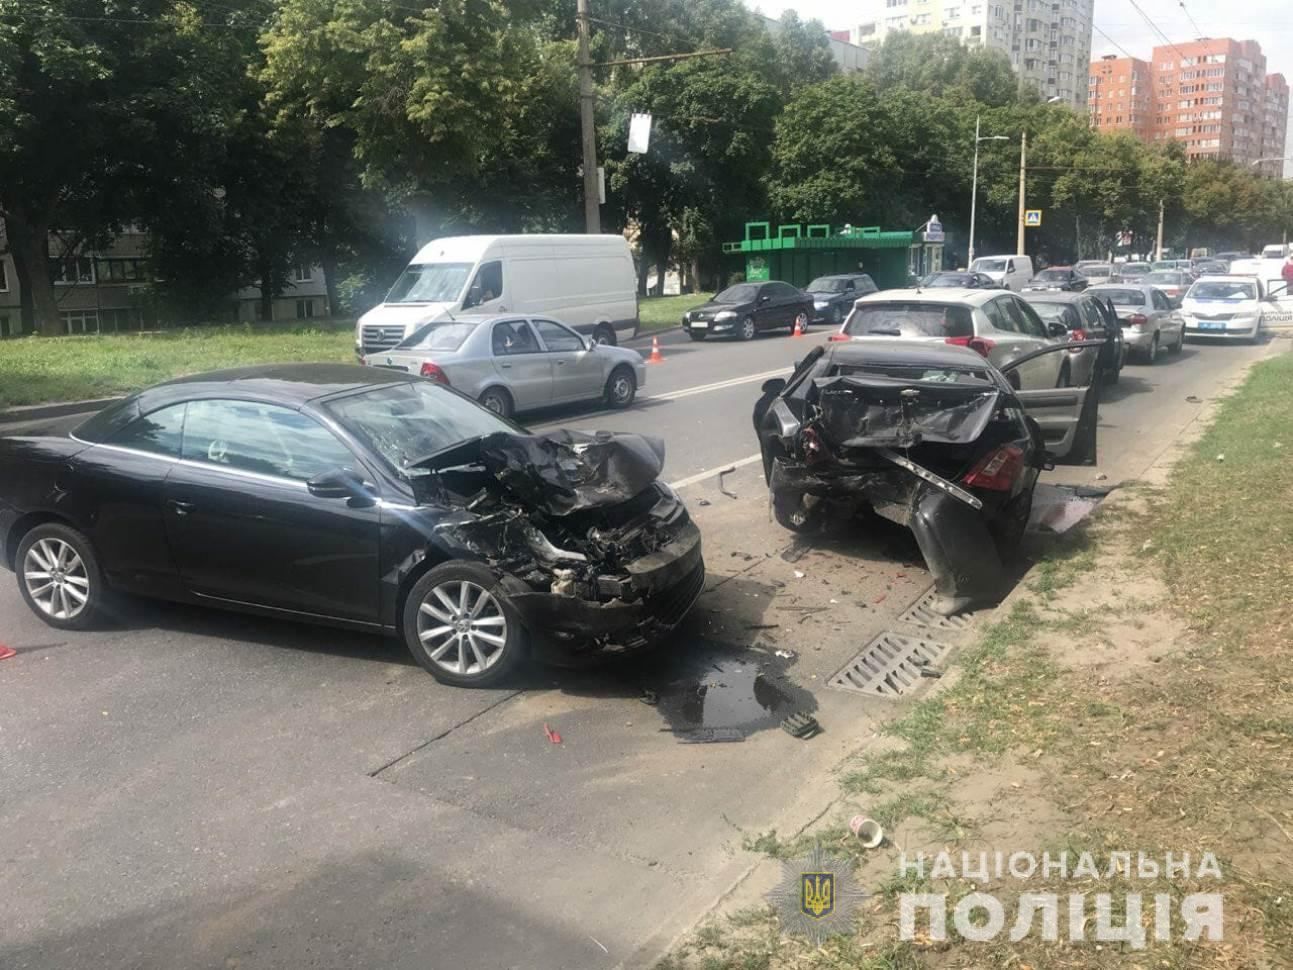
[1274, 251]
[586, 282]
[1012, 272]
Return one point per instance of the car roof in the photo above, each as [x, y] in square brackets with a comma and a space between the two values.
[290, 384]
[920, 353]
[1225, 278]
[839, 276]
[950, 295]
[1109, 287]
[1050, 296]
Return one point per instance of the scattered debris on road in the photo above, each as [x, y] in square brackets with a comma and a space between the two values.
[868, 831]
[1058, 508]
[709, 736]
[801, 725]
[6, 652]
[722, 487]
[552, 735]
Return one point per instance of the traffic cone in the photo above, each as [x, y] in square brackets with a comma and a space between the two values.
[799, 328]
[7, 652]
[656, 357]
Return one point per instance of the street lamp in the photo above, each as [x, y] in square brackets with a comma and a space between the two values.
[974, 188]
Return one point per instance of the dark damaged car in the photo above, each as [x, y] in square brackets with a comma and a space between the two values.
[367, 499]
[929, 436]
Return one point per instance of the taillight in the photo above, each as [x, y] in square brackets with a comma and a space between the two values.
[1077, 334]
[435, 372]
[1138, 319]
[997, 470]
[837, 338]
[980, 345]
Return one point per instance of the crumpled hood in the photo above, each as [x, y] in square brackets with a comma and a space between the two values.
[565, 471]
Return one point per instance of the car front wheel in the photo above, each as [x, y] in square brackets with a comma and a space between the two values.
[58, 576]
[461, 627]
[497, 400]
[747, 329]
[621, 387]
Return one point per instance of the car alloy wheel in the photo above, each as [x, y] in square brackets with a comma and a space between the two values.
[747, 328]
[498, 401]
[56, 578]
[462, 628]
[801, 323]
[837, 316]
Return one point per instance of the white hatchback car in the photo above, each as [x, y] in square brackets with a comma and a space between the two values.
[998, 325]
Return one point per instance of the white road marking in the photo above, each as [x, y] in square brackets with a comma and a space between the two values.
[719, 385]
[713, 472]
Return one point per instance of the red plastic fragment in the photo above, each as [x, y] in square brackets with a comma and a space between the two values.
[553, 736]
[7, 652]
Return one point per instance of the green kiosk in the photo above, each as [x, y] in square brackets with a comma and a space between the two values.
[798, 254]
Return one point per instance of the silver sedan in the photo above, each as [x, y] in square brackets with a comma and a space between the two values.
[514, 363]
[1150, 325]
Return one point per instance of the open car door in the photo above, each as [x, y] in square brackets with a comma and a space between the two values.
[1067, 415]
[1279, 308]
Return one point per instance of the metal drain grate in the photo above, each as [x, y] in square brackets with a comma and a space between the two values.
[920, 613]
[890, 665]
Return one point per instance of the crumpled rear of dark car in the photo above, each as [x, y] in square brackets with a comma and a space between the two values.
[596, 552]
[931, 438]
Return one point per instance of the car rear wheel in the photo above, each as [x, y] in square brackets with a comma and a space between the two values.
[499, 401]
[461, 627]
[747, 329]
[621, 387]
[1151, 355]
[801, 323]
[1180, 342]
[837, 315]
[605, 334]
[58, 576]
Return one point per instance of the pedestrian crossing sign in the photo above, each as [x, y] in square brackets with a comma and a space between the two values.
[1032, 218]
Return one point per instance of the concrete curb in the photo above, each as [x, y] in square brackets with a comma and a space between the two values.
[39, 412]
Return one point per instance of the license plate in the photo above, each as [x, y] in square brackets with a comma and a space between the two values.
[700, 324]
[1211, 325]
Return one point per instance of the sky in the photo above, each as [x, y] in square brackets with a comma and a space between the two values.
[1266, 21]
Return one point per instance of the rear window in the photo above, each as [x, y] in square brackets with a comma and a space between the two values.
[1135, 269]
[1123, 297]
[1056, 313]
[1052, 274]
[909, 319]
[1096, 269]
[1167, 279]
[438, 336]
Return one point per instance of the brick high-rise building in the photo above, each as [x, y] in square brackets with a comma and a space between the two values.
[1212, 95]
[1121, 96]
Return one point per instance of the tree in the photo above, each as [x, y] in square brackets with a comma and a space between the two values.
[940, 65]
[104, 108]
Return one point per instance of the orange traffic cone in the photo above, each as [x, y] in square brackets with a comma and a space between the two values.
[656, 357]
[799, 327]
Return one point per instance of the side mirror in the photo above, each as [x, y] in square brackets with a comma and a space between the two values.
[1055, 329]
[338, 483]
[774, 386]
[764, 299]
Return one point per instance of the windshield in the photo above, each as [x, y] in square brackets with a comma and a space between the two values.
[988, 266]
[1164, 266]
[1096, 269]
[438, 336]
[948, 280]
[1052, 274]
[1168, 279]
[826, 285]
[741, 293]
[404, 422]
[909, 320]
[1223, 291]
[1123, 297]
[430, 283]
[1135, 269]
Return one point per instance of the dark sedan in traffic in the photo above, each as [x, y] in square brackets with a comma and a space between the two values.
[959, 281]
[1059, 278]
[833, 296]
[357, 497]
[747, 309]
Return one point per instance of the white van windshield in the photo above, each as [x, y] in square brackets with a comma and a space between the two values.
[988, 266]
[430, 283]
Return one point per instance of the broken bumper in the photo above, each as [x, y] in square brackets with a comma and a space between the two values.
[666, 584]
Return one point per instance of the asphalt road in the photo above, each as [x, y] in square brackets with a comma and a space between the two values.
[195, 789]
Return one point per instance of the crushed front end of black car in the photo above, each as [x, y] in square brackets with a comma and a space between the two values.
[931, 438]
[595, 552]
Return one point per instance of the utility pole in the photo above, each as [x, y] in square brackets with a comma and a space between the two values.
[974, 194]
[1023, 172]
[587, 124]
[1159, 250]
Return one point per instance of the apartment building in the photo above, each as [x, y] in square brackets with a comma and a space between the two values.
[1048, 41]
[109, 290]
[1121, 96]
[1213, 95]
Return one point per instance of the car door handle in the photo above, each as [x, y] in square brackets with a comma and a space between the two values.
[505, 366]
[182, 508]
[561, 363]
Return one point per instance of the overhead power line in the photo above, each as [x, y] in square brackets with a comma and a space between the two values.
[1111, 40]
[1153, 26]
[1190, 17]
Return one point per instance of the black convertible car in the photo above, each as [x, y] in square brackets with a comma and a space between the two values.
[364, 498]
[927, 435]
